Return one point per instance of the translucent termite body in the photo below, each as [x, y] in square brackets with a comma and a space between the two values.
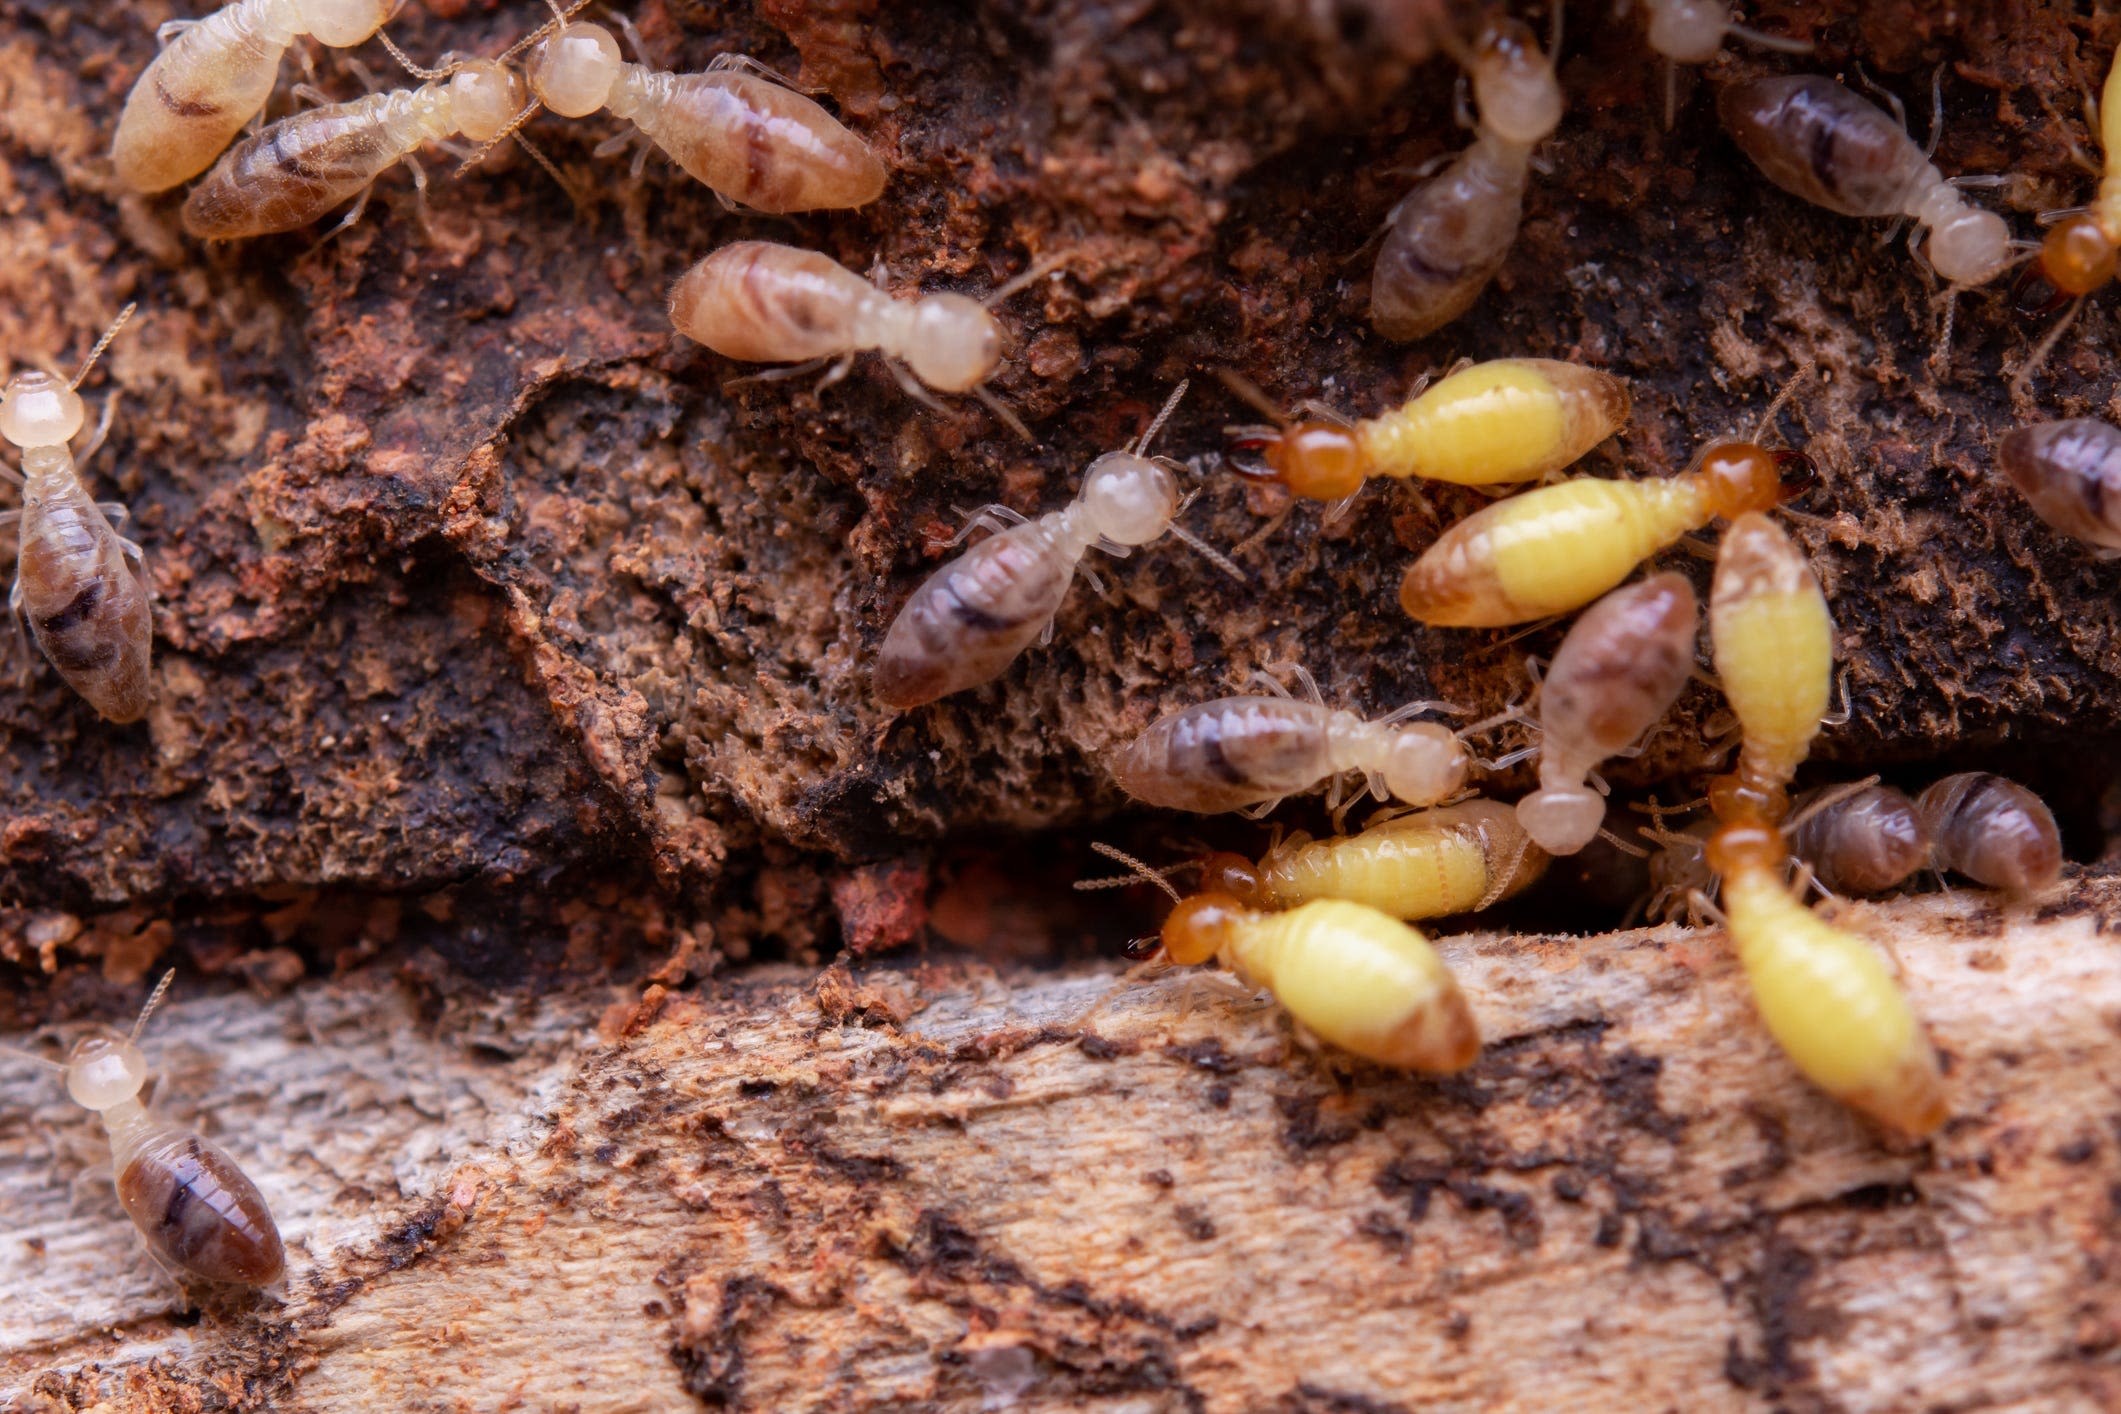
[1356, 978]
[1826, 994]
[1992, 830]
[1818, 140]
[1429, 864]
[299, 168]
[1619, 670]
[1556, 548]
[78, 585]
[752, 140]
[765, 303]
[216, 75]
[1448, 237]
[1773, 643]
[2070, 474]
[1510, 419]
[2078, 254]
[1861, 841]
[969, 620]
[197, 1210]
[1238, 752]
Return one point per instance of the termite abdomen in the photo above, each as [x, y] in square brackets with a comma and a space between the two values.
[1860, 842]
[1992, 830]
[196, 1208]
[2070, 474]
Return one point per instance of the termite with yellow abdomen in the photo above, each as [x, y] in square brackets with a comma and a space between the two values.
[1826, 994]
[215, 75]
[1773, 644]
[199, 1213]
[1992, 830]
[80, 587]
[1511, 419]
[2078, 255]
[1427, 864]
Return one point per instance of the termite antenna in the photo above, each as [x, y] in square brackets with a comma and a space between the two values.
[1004, 414]
[538, 156]
[154, 999]
[1250, 393]
[32, 1057]
[103, 343]
[404, 62]
[1789, 390]
[530, 110]
[1209, 553]
[1035, 271]
[1142, 872]
[1622, 845]
[1141, 446]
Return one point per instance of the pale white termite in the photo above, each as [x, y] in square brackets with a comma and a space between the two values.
[969, 620]
[87, 608]
[1692, 31]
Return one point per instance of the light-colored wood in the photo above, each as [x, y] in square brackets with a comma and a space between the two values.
[776, 1199]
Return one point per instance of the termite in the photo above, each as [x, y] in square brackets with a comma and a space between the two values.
[2078, 254]
[968, 621]
[753, 141]
[1511, 419]
[2070, 474]
[297, 169]
[1693, 31]
[1619, 670]
[1432, 863]
[1447, 238]
[1862, 838]
[1818, 140]
[215, 75]
[1772, 640]
[1555, 549]
[89, 610]
[1992, 830]
[1354, 977]
[197, 1210]
[1237, 753]
[1825, 993]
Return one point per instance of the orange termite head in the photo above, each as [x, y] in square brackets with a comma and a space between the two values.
[2076, 258]
[1199, 927]
[1743, 846]
[1232, 874]
[1744, 477]
[1319, 461]
[1733, 798]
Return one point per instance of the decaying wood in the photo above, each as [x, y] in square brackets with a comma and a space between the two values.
[941, 1187]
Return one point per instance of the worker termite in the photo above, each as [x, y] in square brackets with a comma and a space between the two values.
[88, 609]
[197, 1210]
[1447, 238]
[1773, 644]
[1511, 419]
[2070, 474]
[215, 75]
[968, 621]
[1621, 667]
[1818, 140]
[1826, 995]
[1861, 838]
[1556, 548]
[1992, 830]
[751, 140]
[765, 303]
[1352, 976]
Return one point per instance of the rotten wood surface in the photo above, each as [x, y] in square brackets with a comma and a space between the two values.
[940, 1186]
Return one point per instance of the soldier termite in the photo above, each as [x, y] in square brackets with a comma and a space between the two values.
[88, 609]
[765, 303]
[1621, 667]
[2078, 254]
[1354, 977]
[1447, 238]
[215, 74]
[299, 168]
[1511, 419]
[751, 140]
[1773, 644]
[199, 1213]
[2070, 474]
[968, 621]
[1235, 753]
[1826, 994]
[1992, 830]
[1860, 838]
[1820, 141]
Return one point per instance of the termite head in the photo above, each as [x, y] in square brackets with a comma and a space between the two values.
[1741, 477]
[1129, 499]
[1319, 461]
[1689, 31]
[341, 24]
[2075, 259]
[1425, 764]
[104, 1071]
[38, 410]
[573, 71]
[1513, 84]
[484, 98]
[1968, 246]
[1200, 926]
[956, 345]
[1562, 820]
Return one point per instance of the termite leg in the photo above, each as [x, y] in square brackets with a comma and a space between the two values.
[169, 30]
[745, 62]
[95, 442]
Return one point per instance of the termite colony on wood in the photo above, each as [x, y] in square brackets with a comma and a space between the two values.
[1325, 923]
